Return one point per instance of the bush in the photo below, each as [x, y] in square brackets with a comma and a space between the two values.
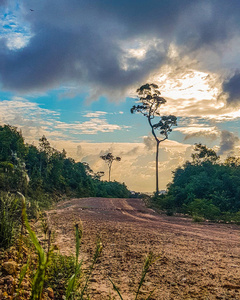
[197, 218]
[59, 272]
[165, 203]
[9, 218]
[236, 218]
[203, 208]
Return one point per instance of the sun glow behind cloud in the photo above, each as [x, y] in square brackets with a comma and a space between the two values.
[193, 85]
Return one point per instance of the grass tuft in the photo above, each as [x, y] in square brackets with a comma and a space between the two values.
[8, 219]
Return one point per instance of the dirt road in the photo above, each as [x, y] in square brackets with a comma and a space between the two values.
[196, 261]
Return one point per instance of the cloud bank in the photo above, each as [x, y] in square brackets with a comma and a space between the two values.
[113, 45]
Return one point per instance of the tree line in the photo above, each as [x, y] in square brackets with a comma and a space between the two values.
[205, 187]
[41, 171]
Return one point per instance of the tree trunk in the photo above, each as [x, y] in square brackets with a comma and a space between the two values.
[109, 173]
[157, 150]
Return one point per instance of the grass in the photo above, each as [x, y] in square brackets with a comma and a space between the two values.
[9, 220]
[148, 262]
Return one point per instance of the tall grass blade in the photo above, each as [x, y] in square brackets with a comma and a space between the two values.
[78, 236]
[97, 253]
[115, 288]
[22, 275]
[147, 264]
[38, 280]
[70, 286]
[149, 297]
[72, 280]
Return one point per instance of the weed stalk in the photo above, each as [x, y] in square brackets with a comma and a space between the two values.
[72, 280]
[97, 253]
[39, 278]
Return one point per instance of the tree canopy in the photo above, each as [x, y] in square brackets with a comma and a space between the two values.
[109, 158]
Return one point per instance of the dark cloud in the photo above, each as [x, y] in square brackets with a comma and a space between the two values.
[227, 143]
[232, 88]
[85, 41]
[3, 2]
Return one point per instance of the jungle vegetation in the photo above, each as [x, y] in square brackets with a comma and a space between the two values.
[205, 187]
[42, 172]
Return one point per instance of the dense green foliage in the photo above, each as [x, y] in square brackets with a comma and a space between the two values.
[43, 172]
[205, 187]
[9, 218]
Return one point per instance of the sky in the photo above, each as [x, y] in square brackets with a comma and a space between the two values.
[69, 70]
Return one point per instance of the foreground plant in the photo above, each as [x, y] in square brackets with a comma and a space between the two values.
[72, 287]
[8, 219]
[43, 258]
[97, 253]
[148, 262]
[71, 284]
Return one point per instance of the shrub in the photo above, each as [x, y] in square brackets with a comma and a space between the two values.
[58, 273]
[9, 218]
[203, 208]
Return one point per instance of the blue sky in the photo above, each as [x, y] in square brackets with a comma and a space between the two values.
[70, 70]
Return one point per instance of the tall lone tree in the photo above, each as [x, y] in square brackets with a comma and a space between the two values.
[151, 101]
[109, 158]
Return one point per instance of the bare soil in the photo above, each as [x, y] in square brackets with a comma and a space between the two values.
[195, 260]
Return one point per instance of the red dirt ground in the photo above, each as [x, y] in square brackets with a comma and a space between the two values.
[196, 261]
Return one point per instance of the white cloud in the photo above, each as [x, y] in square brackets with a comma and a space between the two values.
[95, 114]
[196, 128]
[17, 40]
[36, 121]
[16, 33]
[93, 126]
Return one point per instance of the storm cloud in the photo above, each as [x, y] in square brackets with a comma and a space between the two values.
[232, 88]
[96, 43]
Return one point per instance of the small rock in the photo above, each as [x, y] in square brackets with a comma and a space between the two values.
[173, 284]
[50, 292]
[8, 279]
[10, 267]
[148, 283]
[26, 294]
